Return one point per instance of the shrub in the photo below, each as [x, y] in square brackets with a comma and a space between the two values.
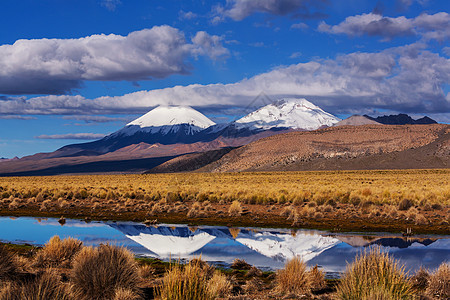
[235, 209]
[421, 220]
[13, 205]
[288, 212]
[98, 272]
[293, 278]
[436, 206]
[439, 283]
[316, 279]
[58, 253]
[374, 275]
[405, 204]
[195, 210]
[125, 294]
[219, 286]
[420, 279]
[189, 282]
[240, 264]
[8, 264]
[253, 285]
[46, 286]
[146, 271]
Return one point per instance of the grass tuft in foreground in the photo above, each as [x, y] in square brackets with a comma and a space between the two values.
[98, 273]
[193, 282]
[374, 275]
[297, 280]
[57, 252]
[8, 264]
[439, 282]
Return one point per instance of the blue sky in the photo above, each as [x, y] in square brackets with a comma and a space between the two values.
[75, 70]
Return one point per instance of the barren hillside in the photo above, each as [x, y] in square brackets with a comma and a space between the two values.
[344, 147]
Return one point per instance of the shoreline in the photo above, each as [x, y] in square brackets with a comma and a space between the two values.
[252, 216]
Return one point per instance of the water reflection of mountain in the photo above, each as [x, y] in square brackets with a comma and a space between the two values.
[271, 248]
[180, 240]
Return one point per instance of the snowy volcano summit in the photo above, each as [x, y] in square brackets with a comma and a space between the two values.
[191, 131]
[291, 113]
[165, 119]
[172, 115]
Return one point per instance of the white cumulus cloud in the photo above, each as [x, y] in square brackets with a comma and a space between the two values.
[435, 26]
[56, 66]
[406, 79]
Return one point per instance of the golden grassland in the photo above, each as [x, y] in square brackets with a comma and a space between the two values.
[418, 198]
[66, 269]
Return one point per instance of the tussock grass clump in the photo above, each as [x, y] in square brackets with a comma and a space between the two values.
[8, 264]
[405, 204]
[192, 282]
[219, 286]
[125, 294]
[48, 285]
[374, 275]
[316, 279]
[57, 252]
[439, 282]
[293, 278]
[240, 264]
[98, 272]
[420, 280]
[235, 209]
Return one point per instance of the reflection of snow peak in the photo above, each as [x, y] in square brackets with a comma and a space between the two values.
[166, 245]
[166, 241]
[285, 246]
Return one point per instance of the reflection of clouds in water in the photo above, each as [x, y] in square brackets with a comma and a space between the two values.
[70, 223]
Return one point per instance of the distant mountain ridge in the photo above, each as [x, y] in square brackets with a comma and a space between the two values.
[170, 125]
[357, 120]
[401, 119]
[181, 139]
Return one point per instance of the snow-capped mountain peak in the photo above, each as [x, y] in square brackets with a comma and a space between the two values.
[167, 119]
[172, 115]
[289, 113]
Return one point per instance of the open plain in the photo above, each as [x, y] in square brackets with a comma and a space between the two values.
[334, 200]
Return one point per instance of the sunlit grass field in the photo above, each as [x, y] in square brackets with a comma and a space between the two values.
[347, 200]
[421, 187]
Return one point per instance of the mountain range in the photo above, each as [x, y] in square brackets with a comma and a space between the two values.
[179, 138]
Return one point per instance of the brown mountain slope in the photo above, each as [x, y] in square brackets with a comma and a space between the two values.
[190, 162]
[139, 157]
[344, 147]
[356, 120]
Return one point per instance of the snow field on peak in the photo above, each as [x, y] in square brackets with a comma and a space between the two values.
[290, 113]
[172, 115]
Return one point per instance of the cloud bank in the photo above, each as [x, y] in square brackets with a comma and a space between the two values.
[57, 66]
[435, 26]
[407, 79]
[238, 10]
[72, 136]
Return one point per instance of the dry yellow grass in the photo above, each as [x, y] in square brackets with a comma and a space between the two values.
[418, 186]
[99, 272]
[295, 278]
[374, 275]
[235, 209]
[57, 252]
[193, 282]
[439, 282]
